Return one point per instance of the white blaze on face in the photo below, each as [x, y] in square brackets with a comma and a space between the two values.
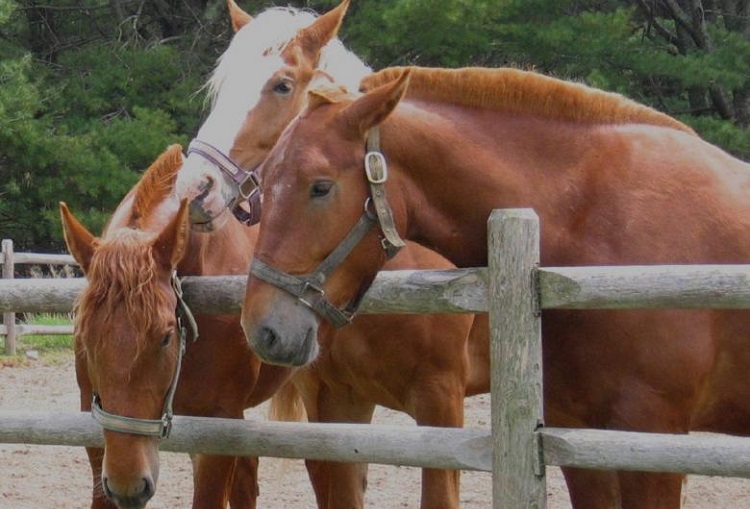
[235, 88]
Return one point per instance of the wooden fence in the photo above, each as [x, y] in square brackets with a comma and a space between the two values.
[513, 290]
[9, 328]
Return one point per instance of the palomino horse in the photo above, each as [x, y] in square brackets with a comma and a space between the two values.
[613, 182]
[128, 339]
[420, 365]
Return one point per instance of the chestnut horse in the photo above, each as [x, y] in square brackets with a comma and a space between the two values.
[613, 182]
[127, 343]
[420, 365]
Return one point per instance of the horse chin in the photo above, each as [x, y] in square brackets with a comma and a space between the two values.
[287, 337]
[202, 222]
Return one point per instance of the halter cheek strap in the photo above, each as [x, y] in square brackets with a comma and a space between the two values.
[376, 170]
[308, 288]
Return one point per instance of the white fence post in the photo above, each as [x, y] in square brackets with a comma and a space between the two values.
[9, 318]
[515, 360]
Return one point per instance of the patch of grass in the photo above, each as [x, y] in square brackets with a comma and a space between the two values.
[47, 348]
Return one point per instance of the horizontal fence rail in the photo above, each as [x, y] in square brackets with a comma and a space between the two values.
[23, 329]
[424, 447]
[8, 262]
[417, 446]
[454, 291]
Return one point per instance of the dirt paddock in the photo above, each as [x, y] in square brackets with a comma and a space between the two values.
[40, 477]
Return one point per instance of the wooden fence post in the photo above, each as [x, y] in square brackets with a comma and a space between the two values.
[515, 360]
[9, 319]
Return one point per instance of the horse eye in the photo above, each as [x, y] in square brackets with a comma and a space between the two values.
[167, 338]
[283, 87]
[320, 189]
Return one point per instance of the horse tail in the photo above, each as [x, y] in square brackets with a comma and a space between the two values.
[286, 404]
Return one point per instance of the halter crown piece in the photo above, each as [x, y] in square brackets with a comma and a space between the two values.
[308, 288]
[153, 427]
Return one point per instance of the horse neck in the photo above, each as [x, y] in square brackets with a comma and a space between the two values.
[225, 251]
[454, 177]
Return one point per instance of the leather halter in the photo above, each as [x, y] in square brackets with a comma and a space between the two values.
[153, 427]
[246, 182]
[309, 288]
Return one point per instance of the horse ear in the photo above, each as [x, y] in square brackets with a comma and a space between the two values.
[169, 246]
[374, 107]
[81, 243]
[312, 39]
[239, 17]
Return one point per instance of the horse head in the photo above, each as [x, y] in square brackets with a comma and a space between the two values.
[257, 88]
[322, 238]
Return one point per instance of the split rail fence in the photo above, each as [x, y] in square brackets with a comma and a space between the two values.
[9, 328]
[514, 290]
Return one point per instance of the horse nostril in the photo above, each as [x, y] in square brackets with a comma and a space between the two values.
[268, 336]
[148, 488]
[105, 487]
[207, 184]
[310, 336]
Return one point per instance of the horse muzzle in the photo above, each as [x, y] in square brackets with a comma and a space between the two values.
[286, 336]
[135, 496]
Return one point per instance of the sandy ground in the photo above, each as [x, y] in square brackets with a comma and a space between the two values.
[36, 477]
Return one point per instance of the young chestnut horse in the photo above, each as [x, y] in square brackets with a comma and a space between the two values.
[127, 344]
[614, 183]
[420, 365]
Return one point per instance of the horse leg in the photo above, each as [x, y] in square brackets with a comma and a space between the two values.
[651, 491]
[212, 480]
[338, 485]
[244, 489]
[98, 499]
[592, 489]
[440, 404]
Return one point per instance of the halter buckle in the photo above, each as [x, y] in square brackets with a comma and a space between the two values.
[249, 185]
[376, 168]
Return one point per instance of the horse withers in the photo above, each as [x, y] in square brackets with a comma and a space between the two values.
[613, 182]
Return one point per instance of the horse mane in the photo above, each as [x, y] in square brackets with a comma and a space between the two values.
[122, 271]
[156, 184]
[522, 92]
[269, 33]
[122, 275]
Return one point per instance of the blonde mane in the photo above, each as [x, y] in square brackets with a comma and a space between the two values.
[523, 92]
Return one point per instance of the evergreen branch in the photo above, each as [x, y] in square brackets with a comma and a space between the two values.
[654, 21]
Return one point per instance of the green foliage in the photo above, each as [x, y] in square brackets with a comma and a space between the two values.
[92, 93]
[82, 132]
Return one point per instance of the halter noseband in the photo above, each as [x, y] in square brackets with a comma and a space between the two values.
[308, 288]
[246, 181]
[153, 427]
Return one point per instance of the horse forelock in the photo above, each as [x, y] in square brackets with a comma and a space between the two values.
[268, 34]
[156, 184]
[523, 92]
[121, 277]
